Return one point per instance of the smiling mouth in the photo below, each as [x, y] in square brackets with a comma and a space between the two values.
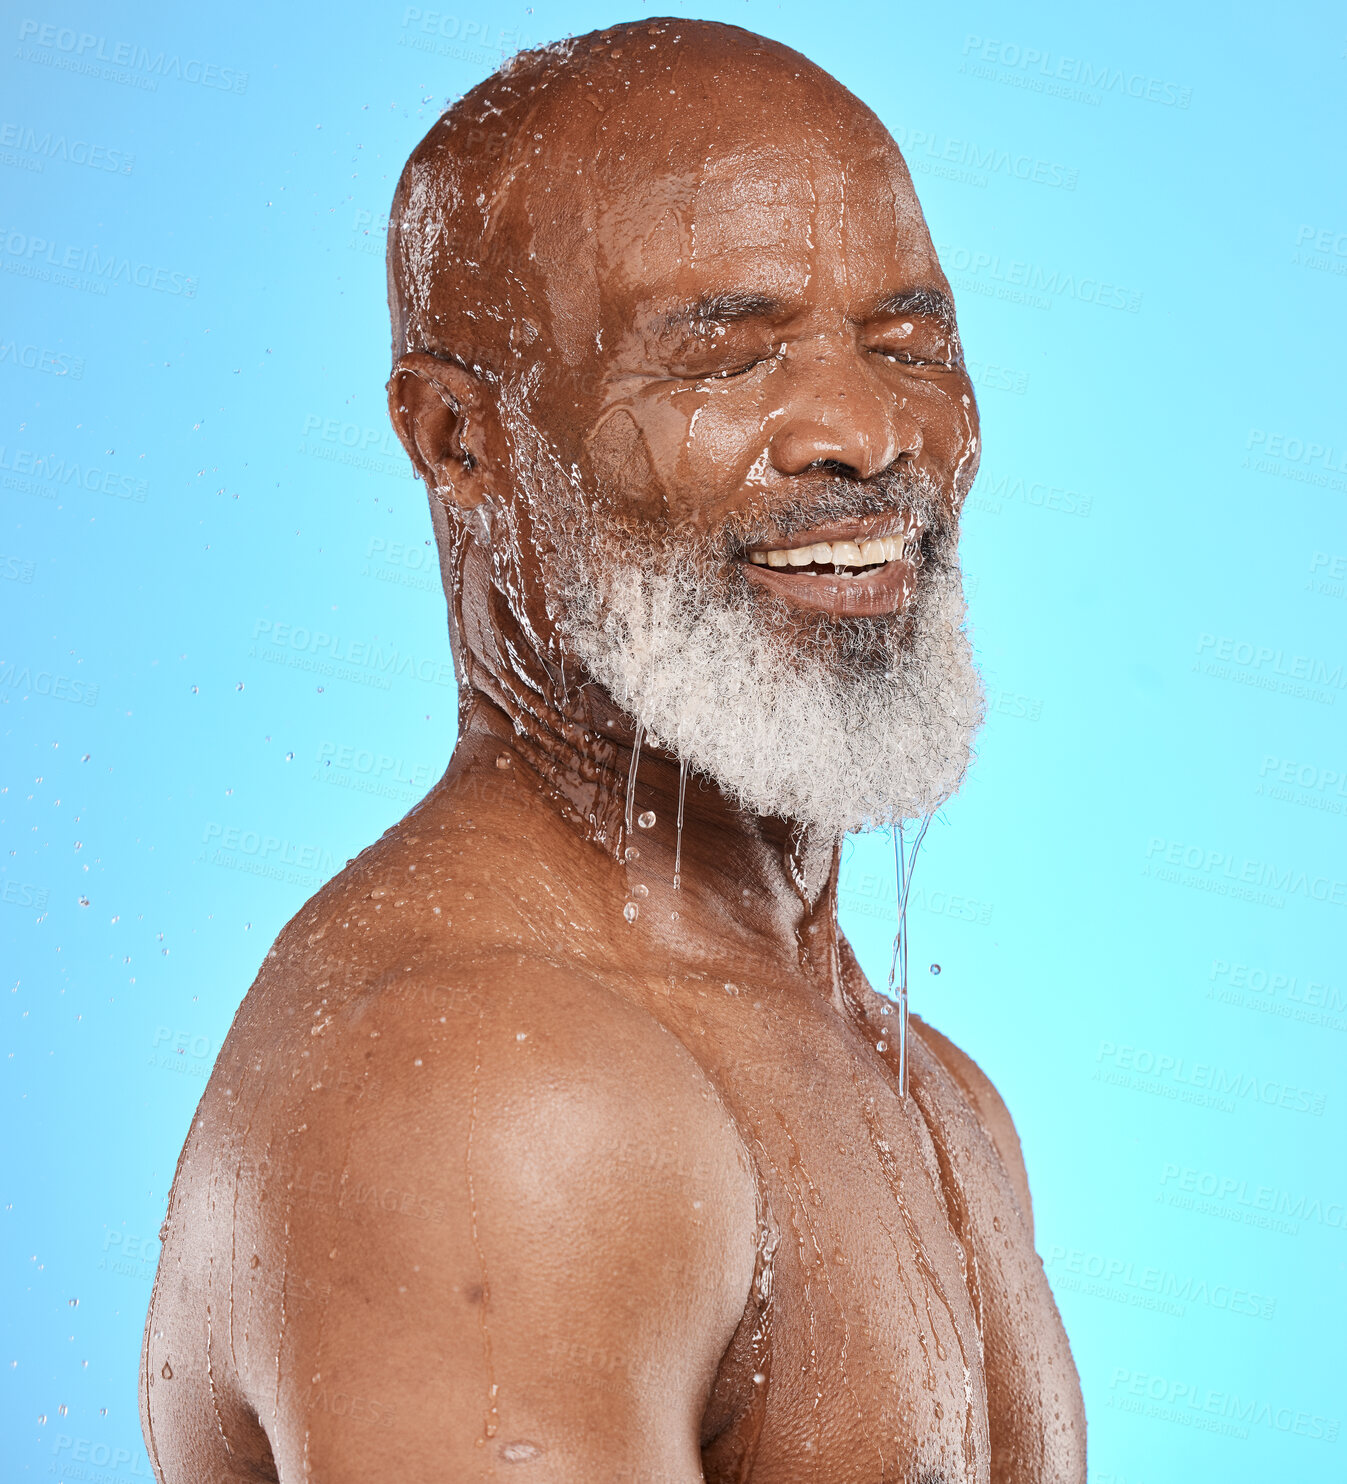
[858, 568]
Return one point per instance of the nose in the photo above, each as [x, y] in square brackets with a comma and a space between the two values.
[838, 411]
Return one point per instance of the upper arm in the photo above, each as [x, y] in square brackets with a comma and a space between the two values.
[538, 1242]
[988, 1106]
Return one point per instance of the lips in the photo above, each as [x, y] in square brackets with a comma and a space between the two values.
[856, 568]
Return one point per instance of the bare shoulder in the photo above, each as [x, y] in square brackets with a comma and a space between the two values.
[987, 1104]
[548, 1072]
[497, 1201]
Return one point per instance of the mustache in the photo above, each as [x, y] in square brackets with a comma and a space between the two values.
[839, 497]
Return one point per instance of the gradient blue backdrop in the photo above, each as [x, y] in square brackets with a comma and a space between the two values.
[1137, 904]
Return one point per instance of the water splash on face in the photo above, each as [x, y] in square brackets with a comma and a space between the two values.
[838, 723]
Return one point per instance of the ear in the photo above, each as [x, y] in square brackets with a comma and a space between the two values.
[440, 412]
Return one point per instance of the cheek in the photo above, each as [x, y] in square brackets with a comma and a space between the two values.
[949, 431]
[675, 456]
[621, 461]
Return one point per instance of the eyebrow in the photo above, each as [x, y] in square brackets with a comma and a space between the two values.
[722, 309]
[734, 305]
[932, 302]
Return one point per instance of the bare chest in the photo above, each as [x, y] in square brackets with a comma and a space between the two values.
[901, 1327]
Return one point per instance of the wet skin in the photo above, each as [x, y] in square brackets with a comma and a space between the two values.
[494, 1178]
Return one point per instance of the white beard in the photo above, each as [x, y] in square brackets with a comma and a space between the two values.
[850, 725]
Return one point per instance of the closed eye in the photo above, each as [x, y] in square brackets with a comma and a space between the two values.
[728, 373]
[735, 371]
[906, 358]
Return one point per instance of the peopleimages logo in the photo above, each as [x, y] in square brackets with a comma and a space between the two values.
[365, 661]
[1313, 1002]
[44, 145]
[54, 473]
[38, 257]
[922, 147]
[1323, 248]
[40, 358]
[1200, 1083]
[1043, 71]
[1298, 450]
[993, 488]
[1310, 785]
[1149, 1287]
[69, 50]
[1238, 1194]
[47, 683]
[1031, 283]
[366, 771]
[1226, 866]
[1303, 460]
[1191, 1403]
[1269, 667]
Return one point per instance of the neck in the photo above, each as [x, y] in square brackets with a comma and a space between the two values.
[725, 874]
[692, 872]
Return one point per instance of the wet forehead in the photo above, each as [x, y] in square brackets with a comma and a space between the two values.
[787, 216]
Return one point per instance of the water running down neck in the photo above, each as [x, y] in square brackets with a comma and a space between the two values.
[904, 860]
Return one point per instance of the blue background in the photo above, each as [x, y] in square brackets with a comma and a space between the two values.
[1138, 902]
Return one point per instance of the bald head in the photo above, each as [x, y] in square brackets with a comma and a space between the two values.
[536, 187]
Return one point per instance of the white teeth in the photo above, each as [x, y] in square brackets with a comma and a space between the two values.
[840, 554]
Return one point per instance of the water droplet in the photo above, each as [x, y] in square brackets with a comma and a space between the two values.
[503, 761]
[62, 1410]
[758, 1378]
[85, 758]
[631, 854]
[631, 911]
[167, 1372]
[74, 1303]
[84, 901]
[935, 968]
[646, 820]
[42, 1420]
[520, 1452]
[881, 1045]
[289, 757]
[239, 686]
[640, 890]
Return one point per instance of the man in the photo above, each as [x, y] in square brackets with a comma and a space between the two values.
[561, 1137]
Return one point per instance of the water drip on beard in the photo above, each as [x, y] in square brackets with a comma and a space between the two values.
[631, 782]
[904, 859]
[678, 835]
